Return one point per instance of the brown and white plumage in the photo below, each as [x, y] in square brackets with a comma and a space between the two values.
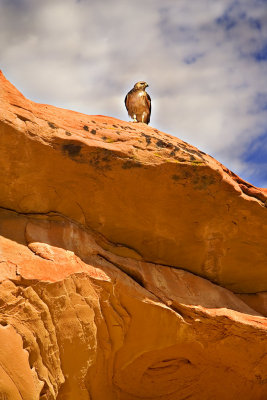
[138, 103]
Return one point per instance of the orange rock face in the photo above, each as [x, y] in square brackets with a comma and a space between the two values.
[132, 265]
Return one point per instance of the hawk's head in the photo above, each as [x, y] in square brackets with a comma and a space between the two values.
[140, 85]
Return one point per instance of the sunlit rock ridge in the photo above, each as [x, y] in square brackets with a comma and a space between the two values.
[132, 265]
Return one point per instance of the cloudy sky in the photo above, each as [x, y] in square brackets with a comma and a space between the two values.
[205, 62]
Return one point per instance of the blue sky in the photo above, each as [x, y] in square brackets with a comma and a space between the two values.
[205, 62]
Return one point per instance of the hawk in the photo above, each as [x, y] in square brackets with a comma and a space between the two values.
[138, 103]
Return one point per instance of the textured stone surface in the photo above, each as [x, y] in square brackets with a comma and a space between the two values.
[132, 265]
[138, 187]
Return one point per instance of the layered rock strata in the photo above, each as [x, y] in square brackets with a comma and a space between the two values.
[132, 265]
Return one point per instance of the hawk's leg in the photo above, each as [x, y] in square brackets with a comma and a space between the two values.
[134, 118]
[144, 117]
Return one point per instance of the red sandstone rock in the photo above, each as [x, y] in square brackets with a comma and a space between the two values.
[121, 253]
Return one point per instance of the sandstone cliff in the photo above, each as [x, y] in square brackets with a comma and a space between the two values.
[132, 265]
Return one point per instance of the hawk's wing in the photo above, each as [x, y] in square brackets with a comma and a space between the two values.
[148, 102]
[127, 99]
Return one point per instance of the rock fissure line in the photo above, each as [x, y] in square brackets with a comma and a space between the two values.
[52, 213]
[133, 277]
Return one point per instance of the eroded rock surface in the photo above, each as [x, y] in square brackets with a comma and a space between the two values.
[132, 265]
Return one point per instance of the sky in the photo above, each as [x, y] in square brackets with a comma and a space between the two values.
[205, 62]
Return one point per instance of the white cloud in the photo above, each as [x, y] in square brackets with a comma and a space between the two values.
[197, 57]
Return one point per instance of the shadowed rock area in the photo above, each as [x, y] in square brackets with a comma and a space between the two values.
[132, 265]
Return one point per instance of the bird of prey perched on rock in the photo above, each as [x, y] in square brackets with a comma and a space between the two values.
[138, 103]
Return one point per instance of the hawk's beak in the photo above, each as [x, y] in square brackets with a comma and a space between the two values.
[147, 85]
